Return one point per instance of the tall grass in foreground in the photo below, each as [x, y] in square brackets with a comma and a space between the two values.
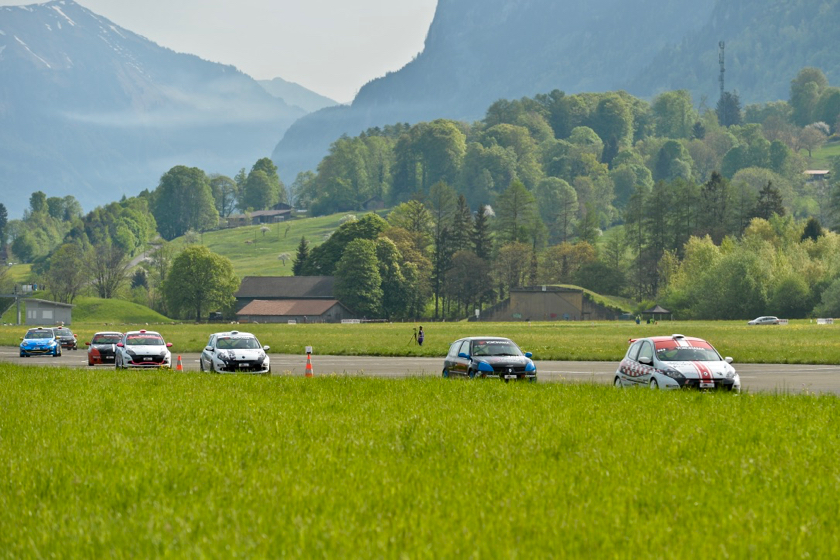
[149, 464]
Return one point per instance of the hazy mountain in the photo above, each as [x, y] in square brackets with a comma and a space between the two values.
[767, 43]
[478, 51]
[91, 109]
[296, 95]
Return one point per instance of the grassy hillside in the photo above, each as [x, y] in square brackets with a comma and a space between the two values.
[822, 158]
[96, 310]
[255, 252]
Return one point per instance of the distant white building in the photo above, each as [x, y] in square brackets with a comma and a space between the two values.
[41, 312]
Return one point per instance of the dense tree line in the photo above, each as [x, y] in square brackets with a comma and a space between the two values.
[550, 175]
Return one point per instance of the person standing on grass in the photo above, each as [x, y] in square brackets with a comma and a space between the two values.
[420, 336]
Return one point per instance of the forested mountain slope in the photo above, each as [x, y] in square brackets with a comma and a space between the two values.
[91, 109]
[767, 42]
[479, 51]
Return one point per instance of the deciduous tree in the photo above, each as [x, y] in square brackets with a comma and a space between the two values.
[199, 280]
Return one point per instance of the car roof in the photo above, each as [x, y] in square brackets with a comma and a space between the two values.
[108, 332]
[656, 339]
[143, 332]
[471, 338]
[233, 333]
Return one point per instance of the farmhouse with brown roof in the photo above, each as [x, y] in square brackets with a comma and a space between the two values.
[279, 299]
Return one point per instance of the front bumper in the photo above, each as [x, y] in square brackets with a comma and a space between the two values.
[241, 366]
[40, 351]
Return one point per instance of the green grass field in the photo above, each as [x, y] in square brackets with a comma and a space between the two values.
[145, 464]
[822, 158]
[801, 342]
[256, 253]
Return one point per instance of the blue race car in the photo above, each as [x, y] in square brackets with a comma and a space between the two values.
[40, 341]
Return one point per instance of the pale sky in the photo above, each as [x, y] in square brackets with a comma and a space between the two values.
[332, 47]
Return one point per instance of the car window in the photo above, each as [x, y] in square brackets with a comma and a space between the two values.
[144, 339]
[243, 343]
[106, 339]
[495, 348]
[453, 350]
[40, 334]
[633, 351]
[63, 332]
[465, 348]
[646, 350]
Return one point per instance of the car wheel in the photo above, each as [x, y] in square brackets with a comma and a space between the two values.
[200, 364]
[57, 354]
[653, 383]
[210, 367]
[471, 373]
[445, 372]
[617, 382]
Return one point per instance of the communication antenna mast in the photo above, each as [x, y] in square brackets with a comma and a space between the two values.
[721, 58]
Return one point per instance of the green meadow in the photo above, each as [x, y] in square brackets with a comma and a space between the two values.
[257, 250]
[144, 464]
[800, 342]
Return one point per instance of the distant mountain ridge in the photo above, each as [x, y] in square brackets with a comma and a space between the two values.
[91, 109]
[479, 51]
[297, 95]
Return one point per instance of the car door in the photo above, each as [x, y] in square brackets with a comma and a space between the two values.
[461, 364]
[645, 361]
[207, 355]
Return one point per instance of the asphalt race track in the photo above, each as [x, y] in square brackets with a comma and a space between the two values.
[792, 378]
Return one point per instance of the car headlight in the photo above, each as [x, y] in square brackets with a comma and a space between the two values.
[673, 374]
[731, 373]
[530, 366]
[485, 367]
[131, 353]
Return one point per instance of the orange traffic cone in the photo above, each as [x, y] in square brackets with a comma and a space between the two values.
[309, 366]
[179, 367]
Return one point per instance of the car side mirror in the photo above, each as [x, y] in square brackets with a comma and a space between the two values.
[528, 354]
[75, 336]
[728, 360]
[464, 355]
[169, 345]
[645, 360]
[266, 348]
[208, 348]
[87, 343]
[21, 338]
[120, 344]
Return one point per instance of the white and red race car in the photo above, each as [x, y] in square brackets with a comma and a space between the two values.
[676, 362]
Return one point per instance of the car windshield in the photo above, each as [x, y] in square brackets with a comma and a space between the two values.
[63, 332]
[40, 334]
[495, 348]
[144, 340]
[106, 339]
[699, 351]
[239, 343]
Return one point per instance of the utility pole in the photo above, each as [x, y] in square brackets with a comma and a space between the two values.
[721, 59]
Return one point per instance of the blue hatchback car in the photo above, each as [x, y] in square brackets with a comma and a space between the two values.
[40, 341]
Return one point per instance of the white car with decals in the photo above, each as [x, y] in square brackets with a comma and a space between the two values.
[676, 362]
[234, 351]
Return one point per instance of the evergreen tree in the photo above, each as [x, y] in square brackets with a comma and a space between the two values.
[482, 240]
[729, 109]
[813, 230]
[358, 283]
[4, 221]
[769, 202]
[300, 257]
